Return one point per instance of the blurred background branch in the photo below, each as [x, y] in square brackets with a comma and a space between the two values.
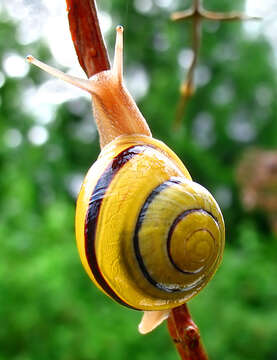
[197, 14]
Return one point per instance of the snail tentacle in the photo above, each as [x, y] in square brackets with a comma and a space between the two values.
[89, 85]
[73, 80]
[118, 54]
[115, 111]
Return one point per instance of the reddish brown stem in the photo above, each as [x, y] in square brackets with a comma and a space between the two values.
[185, 334]
[87, 37]
[93, 58]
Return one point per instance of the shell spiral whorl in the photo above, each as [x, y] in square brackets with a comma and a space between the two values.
[148, 236]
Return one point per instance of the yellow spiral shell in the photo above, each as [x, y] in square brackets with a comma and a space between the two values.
[148, 236]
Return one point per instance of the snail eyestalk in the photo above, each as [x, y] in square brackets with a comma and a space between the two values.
[115, 111]
[118, 54]
[81, 83]
[84, 84]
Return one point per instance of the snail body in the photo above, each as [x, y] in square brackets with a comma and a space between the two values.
[148, 236]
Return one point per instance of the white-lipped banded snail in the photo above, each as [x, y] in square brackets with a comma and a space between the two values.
[148, 236]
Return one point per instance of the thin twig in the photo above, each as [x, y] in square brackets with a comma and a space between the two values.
[87, 36]
[197, 14]
[185, 334]
[188, 88]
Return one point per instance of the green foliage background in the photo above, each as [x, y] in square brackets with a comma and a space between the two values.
[48, 307]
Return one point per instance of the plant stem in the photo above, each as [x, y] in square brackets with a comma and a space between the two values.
[185, 334]
[93, 58]
[87, 36]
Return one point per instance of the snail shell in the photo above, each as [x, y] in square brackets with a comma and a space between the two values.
[148, 236]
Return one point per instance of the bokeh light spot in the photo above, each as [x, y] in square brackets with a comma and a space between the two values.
[185, 58]
[2, 79]
[137, 81]
[143, 6]
[38, 135]
[12, 138]
[15, 65]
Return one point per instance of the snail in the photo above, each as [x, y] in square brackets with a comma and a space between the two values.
[148, 236]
